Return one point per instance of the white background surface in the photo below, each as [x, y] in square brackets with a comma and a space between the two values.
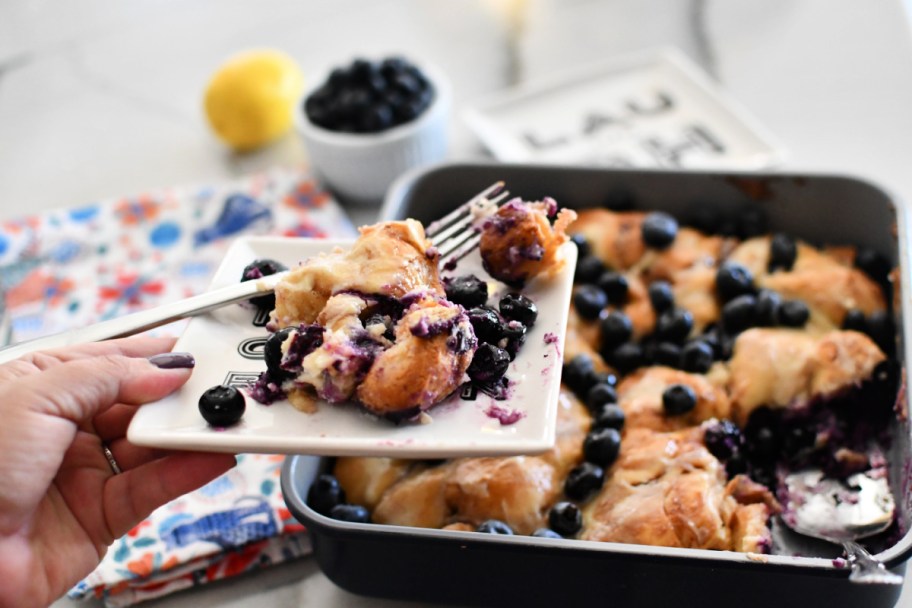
[100, 98]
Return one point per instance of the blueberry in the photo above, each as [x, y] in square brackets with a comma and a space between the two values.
[588, 269]
[794, 313]
[579, 374]
[736, 465]
[324, 494]
[610, 416]
[872, 264]
[855, 320]
[377, 117]
[582, 245]
[798, 440]
[616, 329]
[739, 314]
[514, 336]
[723, 439]
[602, 446]
[355, 514]
[222, 405]
[489, 364]
[517, 307]
[661, 296]
[599, 395]
[606, 378]
[763, 444]
[674, 325]
[257, 270]
[468, 291]
[546, 533]
[659, 230]
[714, 337]
[583, 480]
[589, 301]
[627, 357]
[487, 324]
[696, 357]
[565, 518]
[667, 354]
[783, 252]
[678, 399]
[494, 526]
[615, 286]
[733, 280]
[272, 354]
[882, 330]
[768, 305]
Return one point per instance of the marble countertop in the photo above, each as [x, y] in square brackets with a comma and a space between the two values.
[100, 99]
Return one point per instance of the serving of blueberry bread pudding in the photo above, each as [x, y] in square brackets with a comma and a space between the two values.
[377, 325]
[700, 365]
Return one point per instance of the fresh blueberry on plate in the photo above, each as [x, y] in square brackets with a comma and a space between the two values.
[222, 406]
[517, 307]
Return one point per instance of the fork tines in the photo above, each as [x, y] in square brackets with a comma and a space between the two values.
[456, 234]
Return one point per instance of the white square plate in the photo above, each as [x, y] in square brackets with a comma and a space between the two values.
[650, 109]
[228, 346]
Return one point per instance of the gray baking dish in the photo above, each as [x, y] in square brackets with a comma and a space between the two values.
[479, 569]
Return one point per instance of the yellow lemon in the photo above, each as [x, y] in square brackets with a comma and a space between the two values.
[251, 97]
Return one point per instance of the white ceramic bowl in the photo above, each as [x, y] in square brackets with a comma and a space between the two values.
[359, 167]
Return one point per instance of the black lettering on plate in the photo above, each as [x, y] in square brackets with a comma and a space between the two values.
[240, 379]
[252, 348]
[261, 318]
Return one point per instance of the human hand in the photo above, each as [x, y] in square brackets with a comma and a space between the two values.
[61, 505]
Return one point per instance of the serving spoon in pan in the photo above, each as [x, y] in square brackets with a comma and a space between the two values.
[842, 512]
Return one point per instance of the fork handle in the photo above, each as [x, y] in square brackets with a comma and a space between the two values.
[866, 569]
[143, 320]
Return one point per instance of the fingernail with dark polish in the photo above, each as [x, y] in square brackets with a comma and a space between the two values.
[173, 360]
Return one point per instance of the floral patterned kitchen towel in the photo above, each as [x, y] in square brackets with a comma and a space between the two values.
[72, 267]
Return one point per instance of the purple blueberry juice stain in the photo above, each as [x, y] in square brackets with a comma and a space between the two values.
[505, 416]
[840, 562]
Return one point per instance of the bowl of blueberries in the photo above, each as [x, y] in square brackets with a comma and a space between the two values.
[370, 121]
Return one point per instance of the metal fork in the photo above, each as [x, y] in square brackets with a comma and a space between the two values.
[454, 236]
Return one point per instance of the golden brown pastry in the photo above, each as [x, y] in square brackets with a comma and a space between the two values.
[518, 242]
[517, 490]
[614, 238]
[366, 479]
[666, 489]
[689, 264]
[433, 349]
[785, 368]
[824, 280]
[390, 259]
[640, 396]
